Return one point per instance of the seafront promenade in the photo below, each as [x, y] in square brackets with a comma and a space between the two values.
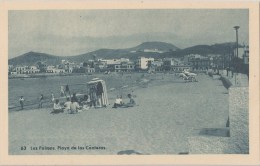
[234, 137]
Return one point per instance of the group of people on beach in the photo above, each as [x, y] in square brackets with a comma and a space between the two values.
[72, 105]
[119, 102]
[95, 97]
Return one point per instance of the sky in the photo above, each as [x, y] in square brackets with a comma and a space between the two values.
[74, 32]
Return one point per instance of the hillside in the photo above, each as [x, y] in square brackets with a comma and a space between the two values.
[31, 58]
[223, 48]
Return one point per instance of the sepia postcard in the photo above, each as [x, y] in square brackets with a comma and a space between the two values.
[129, 83]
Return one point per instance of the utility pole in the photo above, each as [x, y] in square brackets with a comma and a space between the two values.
[236, 59]
[236, 28]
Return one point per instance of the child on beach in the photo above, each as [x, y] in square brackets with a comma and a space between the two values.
[21, 100]
[52, 97]
[40, 101]
[56, 107]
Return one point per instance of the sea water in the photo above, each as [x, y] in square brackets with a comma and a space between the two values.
[32, 88]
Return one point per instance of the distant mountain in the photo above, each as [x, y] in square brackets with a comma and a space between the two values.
[221, 48]
[31, 58]
[169, 50]
[161, 46]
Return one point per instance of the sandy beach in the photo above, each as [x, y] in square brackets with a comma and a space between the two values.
[168, 111]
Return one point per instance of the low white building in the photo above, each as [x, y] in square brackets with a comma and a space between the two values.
[153, 50]
[53, 69]
[13, 73]
[57, 71]
[20, 69]
[31, 70]
[124, 67]
[90, 70]
[112, 61]
[26, 70]
[142, 62]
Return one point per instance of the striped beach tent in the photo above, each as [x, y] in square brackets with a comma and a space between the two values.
[104, 97]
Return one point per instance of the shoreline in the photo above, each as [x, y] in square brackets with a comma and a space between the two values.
[161, 123]
[152, 82]
[43, 75]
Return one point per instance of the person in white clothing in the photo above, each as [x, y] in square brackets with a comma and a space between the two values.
[74, 106]
[57, 107]
[118, 102]
[67, 105]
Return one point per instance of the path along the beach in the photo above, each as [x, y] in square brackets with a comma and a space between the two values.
[167, 114]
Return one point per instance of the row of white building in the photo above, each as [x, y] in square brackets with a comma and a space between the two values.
[113, 65]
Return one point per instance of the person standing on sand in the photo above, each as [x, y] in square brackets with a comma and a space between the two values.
[52, 98]
[40, 101]
[21, 100]
[62, 91]
[93, 96]
[99, 94]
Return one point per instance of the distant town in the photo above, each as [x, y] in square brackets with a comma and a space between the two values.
[191, 62]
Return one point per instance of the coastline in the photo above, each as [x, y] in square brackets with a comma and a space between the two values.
[43, 75]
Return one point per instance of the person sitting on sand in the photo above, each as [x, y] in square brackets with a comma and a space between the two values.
[85, 102]
[131, 102]
[56, 107]
[67, 105]
[74, 97]
[118, 102]
[74, 106]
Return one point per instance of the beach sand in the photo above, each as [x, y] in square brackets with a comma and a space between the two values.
[168, 111]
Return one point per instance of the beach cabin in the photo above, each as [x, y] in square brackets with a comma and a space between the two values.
[98, 91]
